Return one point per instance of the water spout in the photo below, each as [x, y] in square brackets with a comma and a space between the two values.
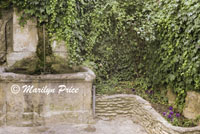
[44, 45]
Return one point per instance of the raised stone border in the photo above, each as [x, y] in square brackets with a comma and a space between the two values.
[140, 111]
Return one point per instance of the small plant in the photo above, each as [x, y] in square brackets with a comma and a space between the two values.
[172, 116]
[176, 119]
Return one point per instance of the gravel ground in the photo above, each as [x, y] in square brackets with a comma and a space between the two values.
[117, 126]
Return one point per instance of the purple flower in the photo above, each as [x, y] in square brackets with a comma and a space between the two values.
[172, 119]
[133, 90]
[178, 115]
[169, 116]
[151, 92]
[171, 112]
[164, 113]
[170, 108]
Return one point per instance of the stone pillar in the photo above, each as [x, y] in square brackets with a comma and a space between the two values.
[59, 49]
[192, 105]
[25, 40]
[2, 41]
[5, 34]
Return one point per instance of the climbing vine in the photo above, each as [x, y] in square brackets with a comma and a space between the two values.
[173, 57]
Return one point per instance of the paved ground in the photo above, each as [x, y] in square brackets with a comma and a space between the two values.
[117, 126]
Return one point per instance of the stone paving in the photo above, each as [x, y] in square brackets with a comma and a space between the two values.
[117, 126]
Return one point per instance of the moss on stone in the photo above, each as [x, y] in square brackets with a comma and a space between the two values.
[44, 61]
[32, 65]
[27, 66]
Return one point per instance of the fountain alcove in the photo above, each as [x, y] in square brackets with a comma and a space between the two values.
[29, 100]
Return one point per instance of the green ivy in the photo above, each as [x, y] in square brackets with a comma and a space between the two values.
[173, 57]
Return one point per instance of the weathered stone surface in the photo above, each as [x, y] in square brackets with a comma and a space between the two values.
[140, 111]
[69, 99]
[25, 40]
[5, 34]
[171, 97]
[2, 106]
[13, 57]
[117, 126]
[192, 105]
[59, 49]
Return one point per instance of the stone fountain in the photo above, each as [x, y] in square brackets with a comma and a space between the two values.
[31, 100]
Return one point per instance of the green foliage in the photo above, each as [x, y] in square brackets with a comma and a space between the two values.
[4, 5]
[112, 41]
[179, 53]
[173, 54]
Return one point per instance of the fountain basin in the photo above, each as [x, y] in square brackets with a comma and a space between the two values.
[30, 100]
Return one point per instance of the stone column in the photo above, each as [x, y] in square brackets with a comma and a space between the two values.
[5, 34]
[25, 40]
[59, 49]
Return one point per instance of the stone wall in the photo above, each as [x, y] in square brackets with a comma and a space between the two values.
[25, 40]
[5, 34]
[140, 111]
[16, 42]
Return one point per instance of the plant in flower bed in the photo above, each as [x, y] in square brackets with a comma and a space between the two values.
[159, 102]
[175, 118]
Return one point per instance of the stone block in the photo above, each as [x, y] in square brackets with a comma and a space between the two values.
[171, 97]
[192, 105]
[24, 42]
[59, 49]
[24, 38]
[16, 56]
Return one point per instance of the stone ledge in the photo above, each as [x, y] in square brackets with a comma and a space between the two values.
[142, 112]
[86, 74]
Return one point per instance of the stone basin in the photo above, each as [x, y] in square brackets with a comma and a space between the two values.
[31, 100]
